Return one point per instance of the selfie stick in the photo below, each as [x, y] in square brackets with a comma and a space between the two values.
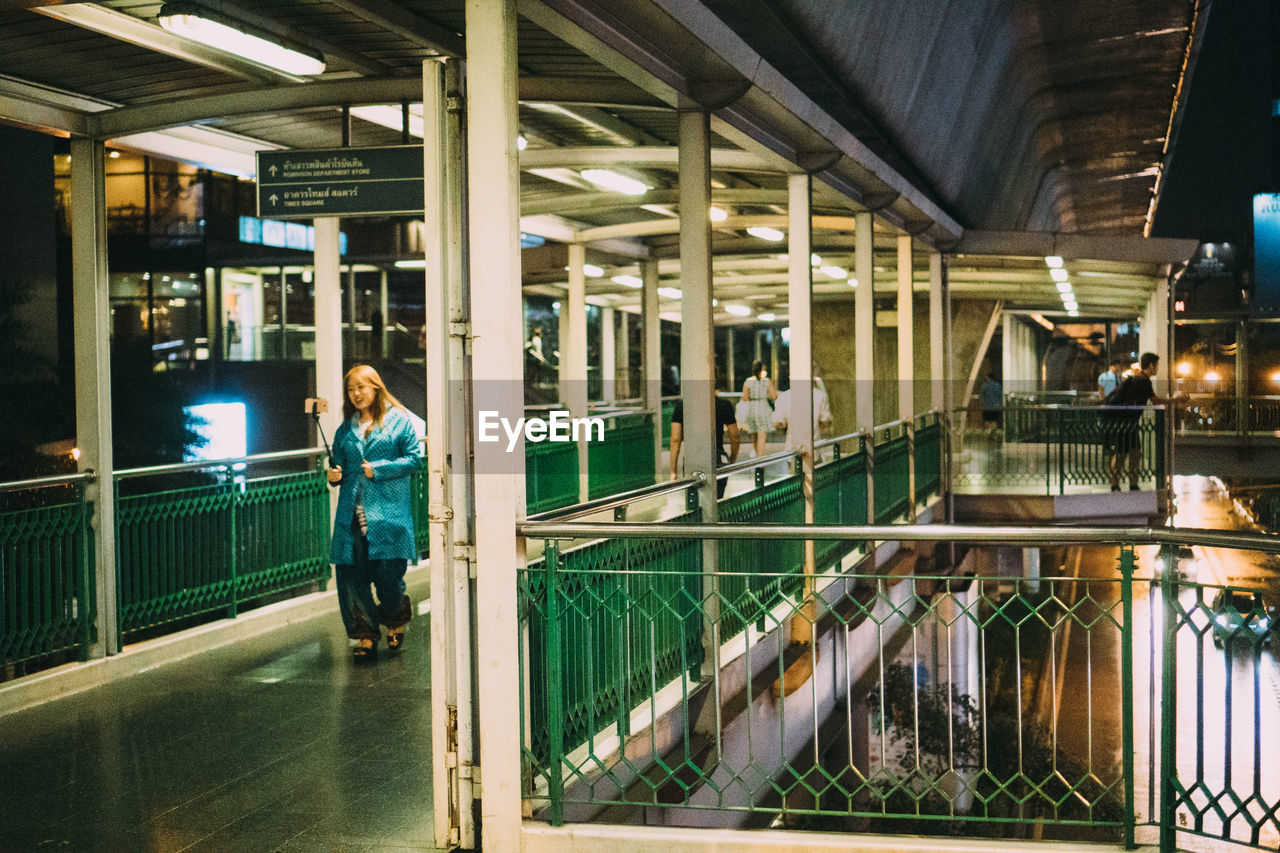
[328, 450]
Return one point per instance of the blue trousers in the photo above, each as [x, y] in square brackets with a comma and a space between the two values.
[361, 615]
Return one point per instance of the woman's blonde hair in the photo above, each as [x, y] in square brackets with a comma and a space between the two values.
[382, 398]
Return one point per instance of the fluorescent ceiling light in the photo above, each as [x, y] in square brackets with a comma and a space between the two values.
[815, 260]
[670, 292]
[611, 180]
[417, 264]
[388, 116]
[628, 280]
[738, 310]
[836, 272]
[719, 214]
[521, 143]
[670, 316]
[1058, 274]
[191, 21]
[764, 232]
[1064, 287]
[768, 318]
[853, 282]
[592, 271]
[1073, 313]
[1053, 262]
[660, 209]
[1071, 306]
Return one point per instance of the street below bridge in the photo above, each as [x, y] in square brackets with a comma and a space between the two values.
[1227, 720]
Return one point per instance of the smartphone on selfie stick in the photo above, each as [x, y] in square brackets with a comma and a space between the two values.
[315, 406]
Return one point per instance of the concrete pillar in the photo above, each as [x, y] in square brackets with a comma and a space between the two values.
[573, 354]
[91, 318]
[497, 359]
[651, 352]
[937, 350]
[328, 304]
[906, 332]
[801, 416]
[562, 360]
[864, 321]
[384, 305]
[697, 353]
[608, 355]
[622, 355]
[1153, 333]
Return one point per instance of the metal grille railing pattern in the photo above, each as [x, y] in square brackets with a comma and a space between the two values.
[1220, 730]
[890, 473]
[624, 459]
[1054, 450]
[46, 593]
[928, 455]
[839, 497]
[617, 633]
[550, 475]
[893, 728]
[757, 573]
[203, 548]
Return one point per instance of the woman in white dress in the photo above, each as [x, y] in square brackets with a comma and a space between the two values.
[758, 392]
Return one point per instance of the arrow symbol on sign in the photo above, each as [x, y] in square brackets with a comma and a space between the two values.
[272, 170]
[274, 199]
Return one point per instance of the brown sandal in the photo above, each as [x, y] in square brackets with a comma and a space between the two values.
[395, 637]
[365, 650]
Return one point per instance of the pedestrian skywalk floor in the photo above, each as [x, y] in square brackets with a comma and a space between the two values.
[275, 743]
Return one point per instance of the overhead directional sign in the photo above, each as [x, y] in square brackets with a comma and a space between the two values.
[340, 182]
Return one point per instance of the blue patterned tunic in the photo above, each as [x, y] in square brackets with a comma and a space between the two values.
[395, 452]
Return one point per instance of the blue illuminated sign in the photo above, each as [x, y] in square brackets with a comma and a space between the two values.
[284, 235]
[1266, 251]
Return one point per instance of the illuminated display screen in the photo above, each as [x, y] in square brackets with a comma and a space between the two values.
[283, 235]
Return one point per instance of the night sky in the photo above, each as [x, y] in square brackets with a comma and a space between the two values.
[1224, 150]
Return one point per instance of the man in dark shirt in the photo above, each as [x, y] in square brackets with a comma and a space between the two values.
[725, 420]
[1121, 425]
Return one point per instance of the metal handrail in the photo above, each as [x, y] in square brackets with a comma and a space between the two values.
[1062, 407]
[752, 464]
[177, 468]
[1265, 542]
[827, 442]
[619, 500]
[43, 482]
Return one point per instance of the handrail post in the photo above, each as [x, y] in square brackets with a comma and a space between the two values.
[233, 507]
[1168, 713]
[555, 688]
[1126, 687]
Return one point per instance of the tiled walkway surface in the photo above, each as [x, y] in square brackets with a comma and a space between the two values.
[275, 743]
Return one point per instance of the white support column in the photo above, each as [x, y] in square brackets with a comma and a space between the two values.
[801, 416]
[494, 190]
[651, 354]
[91, 317]
[608, 355]
[573, 354]
[697, 353]
[906, 332]
[384, 305]
[622, 357]
[562, 360]
[1010, 368]
[328, 288]
[864, 321]
[937, 350]
[1153, 333]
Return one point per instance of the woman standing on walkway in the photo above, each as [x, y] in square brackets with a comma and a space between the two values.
[758, 392]
[374, 453]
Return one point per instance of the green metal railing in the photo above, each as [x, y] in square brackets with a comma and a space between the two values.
[624, 459]
[46, 584]
[891, 472]
[1058, 449]
[946, 704]
[928, 455]
[212, 544]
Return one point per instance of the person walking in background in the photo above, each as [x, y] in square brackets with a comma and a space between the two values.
[1120, 424]
[758, 394]
[1109, 380]
[783, 416]
[725, 423]
[374, 453]
[991, 398]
